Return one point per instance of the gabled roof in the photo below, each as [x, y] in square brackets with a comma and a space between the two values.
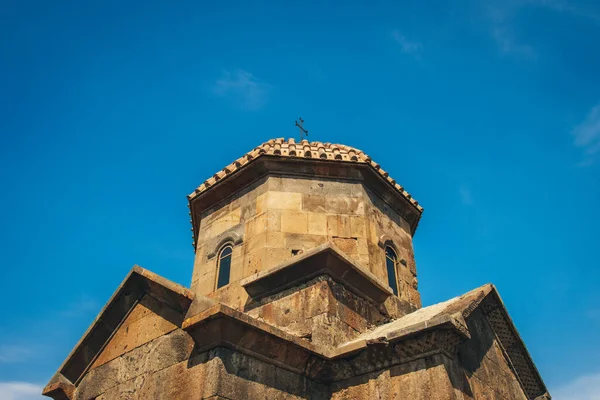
[453, 314]
[435, 329]
[136, 284]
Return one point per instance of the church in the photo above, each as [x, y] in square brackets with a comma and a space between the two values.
[304, 286]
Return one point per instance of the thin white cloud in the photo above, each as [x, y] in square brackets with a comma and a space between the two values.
[500, 16]
[508, 44]
[242, 88]
[586, 387]
[407, 46]
[586, 136]
[466, 197]
[20, 391]
[584, 9]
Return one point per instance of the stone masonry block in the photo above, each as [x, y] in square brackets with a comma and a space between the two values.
[317, 223]
[278, 200]
[274, 221]
[314, 203]
[274, 256]
[347, 245]
[276, 239]
[202, 269]
[295, 241]
[227, 221]
[237, 264]
[206, 283]
[255, 226]
[357, 226]
[294, 221]
[135, 334]
[255, 242]
[332, 225]
[253, 261]
[345, 205]
[232, 295]
[344, 227]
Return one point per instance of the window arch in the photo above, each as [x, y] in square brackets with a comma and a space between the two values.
[224, 265]
[391, 261]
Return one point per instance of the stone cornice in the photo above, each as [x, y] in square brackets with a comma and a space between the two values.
[222, 190]
[326, 259]
[307, 150]
[432, 330]
[394, 343]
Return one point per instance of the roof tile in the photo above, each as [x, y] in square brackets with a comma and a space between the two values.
[290, 148]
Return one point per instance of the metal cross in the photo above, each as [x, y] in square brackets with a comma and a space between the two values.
[302, 130]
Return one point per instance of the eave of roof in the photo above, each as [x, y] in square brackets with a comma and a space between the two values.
[305, 149]
[290, 151]
[218, 325]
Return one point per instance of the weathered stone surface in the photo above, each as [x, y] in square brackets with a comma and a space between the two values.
[424, 379]
[292, 215]
[141, 326]
[149, 358]
[307, 312]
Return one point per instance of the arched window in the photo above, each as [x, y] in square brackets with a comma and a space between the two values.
[391, 260]
[224, 266]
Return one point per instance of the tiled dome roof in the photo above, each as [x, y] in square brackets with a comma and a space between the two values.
[304, 149]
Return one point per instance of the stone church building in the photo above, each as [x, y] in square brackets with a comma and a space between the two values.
[304, 287]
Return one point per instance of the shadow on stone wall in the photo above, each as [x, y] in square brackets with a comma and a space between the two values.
[410, 378]
[160, 308]
[247, 376]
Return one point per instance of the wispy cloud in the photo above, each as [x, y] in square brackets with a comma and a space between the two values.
[585, 9]
[407, 46]
[20, 391]
[501, 15]
[466, 197]
[586, 387]
[242, 88]
[508, 44]
[587, 136]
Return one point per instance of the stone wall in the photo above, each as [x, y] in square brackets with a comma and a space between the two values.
[149, 357]
[485, 365]
[423, 379]
[385, 223]
[479, 370]
[148, 320]
[322, 311]
[216, 374]
[277, 217]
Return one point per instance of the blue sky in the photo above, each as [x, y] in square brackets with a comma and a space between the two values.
[488, 112]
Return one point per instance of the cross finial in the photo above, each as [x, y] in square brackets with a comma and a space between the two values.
[302, 130]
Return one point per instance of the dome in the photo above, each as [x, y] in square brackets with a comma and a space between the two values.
[304, 149]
